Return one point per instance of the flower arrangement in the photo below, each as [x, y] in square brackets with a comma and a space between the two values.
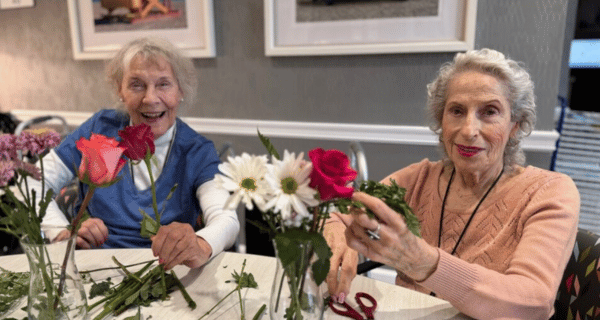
[295, 197]
[24, 212]
[22, 216]
[101, 162]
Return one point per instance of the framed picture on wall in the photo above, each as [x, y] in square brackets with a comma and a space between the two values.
[100, 27]
[345, 27]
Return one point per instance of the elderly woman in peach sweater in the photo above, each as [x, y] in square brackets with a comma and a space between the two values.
[496, 235]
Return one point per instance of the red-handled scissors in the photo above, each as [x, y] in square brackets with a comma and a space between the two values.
[351, 312]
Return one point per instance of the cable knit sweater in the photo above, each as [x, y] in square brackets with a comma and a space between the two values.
[512, 257]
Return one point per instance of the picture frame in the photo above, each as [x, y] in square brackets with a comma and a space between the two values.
[452, 29]
[195, 35]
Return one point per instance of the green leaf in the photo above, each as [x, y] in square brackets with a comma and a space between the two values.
[170, 195]
[138, 315]
[393, 196]
[148, 226]
[295, 243]
[131, 299]
[101, 288]
[244, 280]
[268, 145]
[321, 266]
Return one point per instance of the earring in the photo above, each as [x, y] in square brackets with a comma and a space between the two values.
[120, 99]
[181, 100]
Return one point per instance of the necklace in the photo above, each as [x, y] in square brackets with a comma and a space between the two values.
[472, 214]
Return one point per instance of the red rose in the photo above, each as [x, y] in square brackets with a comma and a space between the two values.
[101, 160]
[137, 140]
[331, 173]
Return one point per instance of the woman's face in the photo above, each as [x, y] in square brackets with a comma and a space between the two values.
[151, 93]
[476, 122]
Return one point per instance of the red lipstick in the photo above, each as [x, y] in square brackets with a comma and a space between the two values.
[466, 151]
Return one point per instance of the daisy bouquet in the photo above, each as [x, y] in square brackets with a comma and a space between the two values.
[294, 197]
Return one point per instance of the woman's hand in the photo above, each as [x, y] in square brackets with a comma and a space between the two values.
[177, 243]
[92, 234]
[343, 261]
[397, 246]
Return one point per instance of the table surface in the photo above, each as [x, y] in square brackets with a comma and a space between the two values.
[207, 285]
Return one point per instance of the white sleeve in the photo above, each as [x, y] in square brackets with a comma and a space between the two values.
[56, 176]
[221, 226]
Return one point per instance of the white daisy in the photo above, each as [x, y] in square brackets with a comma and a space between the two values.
[245, 176]
[289, 179]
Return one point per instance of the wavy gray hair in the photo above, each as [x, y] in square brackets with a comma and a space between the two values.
[151, 48]
[519, 93]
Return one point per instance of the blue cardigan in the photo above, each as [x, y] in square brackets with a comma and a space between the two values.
[192, 161]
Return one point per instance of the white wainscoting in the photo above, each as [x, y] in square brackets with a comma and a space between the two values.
[541, 141]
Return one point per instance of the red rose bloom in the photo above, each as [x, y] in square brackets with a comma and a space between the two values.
[331, 174]
[137, 140]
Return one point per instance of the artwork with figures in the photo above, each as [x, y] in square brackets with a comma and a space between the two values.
[129, 15]
[333, 10]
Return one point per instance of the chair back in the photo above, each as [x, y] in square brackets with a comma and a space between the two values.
[579, 291]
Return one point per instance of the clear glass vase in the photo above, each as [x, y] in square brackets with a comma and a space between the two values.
[295, 294]
[55, 288]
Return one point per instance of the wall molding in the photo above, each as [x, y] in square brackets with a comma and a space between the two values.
[539, 140]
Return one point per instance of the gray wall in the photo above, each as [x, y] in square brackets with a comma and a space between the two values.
[37, 71]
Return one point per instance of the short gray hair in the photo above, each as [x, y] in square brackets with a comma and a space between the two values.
[151, 48]
[519, 91]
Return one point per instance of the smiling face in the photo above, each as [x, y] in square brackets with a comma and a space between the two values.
[151, 93]
[476, 122]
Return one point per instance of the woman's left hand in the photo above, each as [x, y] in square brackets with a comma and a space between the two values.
[177, 243]
[397, 246]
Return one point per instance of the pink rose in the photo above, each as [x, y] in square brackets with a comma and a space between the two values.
[137, 139]
[101, 160]
[331, 174]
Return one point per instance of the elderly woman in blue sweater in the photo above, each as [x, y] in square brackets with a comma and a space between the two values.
[152, 81]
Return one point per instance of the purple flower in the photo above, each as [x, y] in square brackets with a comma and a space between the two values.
[8, 147]
[37, 141]
[7, 172]
[29, 169]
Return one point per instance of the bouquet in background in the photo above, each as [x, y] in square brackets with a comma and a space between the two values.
[54, 277]
[22, 216]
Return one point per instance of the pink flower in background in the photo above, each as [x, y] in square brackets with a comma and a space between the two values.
[8, 147]
[6, 172]
[28, 169]
[37, 141]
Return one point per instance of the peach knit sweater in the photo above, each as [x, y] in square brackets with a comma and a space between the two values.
[512, 257]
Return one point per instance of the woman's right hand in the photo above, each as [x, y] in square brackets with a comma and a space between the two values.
[343, 261]
[92, 234]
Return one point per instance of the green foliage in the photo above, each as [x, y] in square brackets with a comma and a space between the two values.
[13, 286]
[243, 280]
[100, 289]
[294, 245]
[393, 196]
[139, 288]
[267, 143]
[21, 217]
[149, 226]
